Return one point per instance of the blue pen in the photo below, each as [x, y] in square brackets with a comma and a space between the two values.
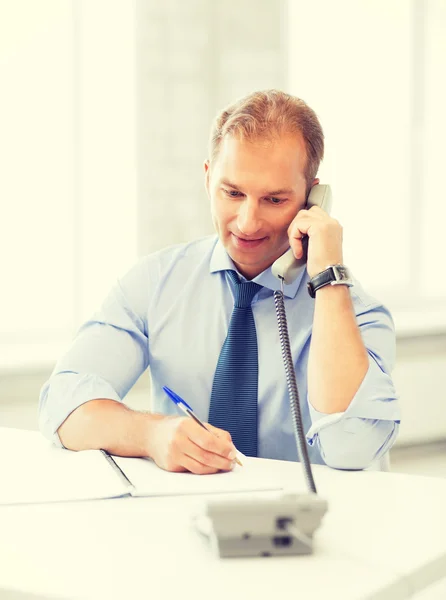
[184, 406]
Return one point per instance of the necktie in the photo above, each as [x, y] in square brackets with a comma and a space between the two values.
[233, 404]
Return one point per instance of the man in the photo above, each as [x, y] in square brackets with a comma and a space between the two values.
[173, 310]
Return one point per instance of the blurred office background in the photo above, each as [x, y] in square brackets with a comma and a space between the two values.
[105, 109]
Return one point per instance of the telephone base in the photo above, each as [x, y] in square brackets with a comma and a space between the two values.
[262, 527]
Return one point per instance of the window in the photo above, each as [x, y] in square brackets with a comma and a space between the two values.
[68, 184]
[371, 70]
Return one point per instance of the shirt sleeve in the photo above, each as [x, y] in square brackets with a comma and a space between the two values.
[367, 429]
[106, 358]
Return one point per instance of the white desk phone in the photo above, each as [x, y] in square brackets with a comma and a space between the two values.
[284, 525]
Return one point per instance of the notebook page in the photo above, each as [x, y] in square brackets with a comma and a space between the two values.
[32, 470]
[149, 480]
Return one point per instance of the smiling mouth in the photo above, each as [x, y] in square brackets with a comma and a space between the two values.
[248, 243]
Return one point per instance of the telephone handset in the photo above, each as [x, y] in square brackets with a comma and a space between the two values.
[286, 267]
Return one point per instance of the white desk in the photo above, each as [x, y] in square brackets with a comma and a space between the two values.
[383, 538]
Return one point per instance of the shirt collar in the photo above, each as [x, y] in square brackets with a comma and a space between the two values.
[221, 261]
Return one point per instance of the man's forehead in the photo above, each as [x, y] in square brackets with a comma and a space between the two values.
[272, 190]
[272, 165]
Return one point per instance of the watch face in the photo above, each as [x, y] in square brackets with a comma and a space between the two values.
[342, 274]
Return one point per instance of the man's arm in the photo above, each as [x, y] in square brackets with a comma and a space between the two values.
[174, 443]
[355, 436]
[108, 355]
[352, 400]
[338, 360]
[80, 405]
[108, 425]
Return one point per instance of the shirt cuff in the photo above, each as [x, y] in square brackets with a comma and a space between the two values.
[65, 392]
[376, 399]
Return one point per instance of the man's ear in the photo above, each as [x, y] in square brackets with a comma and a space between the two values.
[315, 182]
[207, 172]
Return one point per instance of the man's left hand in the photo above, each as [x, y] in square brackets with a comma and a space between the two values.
[324, 239]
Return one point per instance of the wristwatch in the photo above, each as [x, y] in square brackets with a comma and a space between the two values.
[333, 275]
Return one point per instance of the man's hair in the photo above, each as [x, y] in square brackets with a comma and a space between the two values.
[266, 115]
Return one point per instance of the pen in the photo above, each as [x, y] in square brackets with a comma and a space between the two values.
[188, 410]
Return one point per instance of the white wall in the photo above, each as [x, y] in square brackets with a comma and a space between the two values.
[194, 57]
[420, 379]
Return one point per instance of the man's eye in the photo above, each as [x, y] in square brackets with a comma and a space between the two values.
[232, 193]
[275, 200]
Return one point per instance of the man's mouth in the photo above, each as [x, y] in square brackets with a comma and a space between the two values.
[246, 243]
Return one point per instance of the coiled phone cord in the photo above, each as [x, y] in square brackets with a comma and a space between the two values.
[292, 389]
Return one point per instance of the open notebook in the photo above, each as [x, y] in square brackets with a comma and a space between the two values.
[33, 470]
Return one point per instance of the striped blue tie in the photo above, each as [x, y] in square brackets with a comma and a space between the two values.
[234, 391]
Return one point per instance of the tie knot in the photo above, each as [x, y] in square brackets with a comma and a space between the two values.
[244, 292]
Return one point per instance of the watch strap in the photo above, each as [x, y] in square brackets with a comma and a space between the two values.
[329, 276]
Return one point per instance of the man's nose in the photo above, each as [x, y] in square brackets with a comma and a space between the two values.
[249, 221]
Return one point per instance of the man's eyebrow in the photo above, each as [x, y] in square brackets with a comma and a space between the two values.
[275, 193]
[229, 184]
[279, 192]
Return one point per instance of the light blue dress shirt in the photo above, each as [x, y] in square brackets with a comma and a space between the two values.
[171, 312]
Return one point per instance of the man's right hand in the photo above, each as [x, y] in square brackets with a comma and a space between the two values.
[180, 444]
[174, 443]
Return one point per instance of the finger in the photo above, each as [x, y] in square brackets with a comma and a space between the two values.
[305, 218]
[298, 227]
[297, 245]
[318, 212]
[225, 434]
[220, 446]
[305, 226]
[221, 433]
[314, 211]
[311, 213]
[193, 466]
[205, 457]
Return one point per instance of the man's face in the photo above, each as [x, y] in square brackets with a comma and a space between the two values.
[256, 189]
